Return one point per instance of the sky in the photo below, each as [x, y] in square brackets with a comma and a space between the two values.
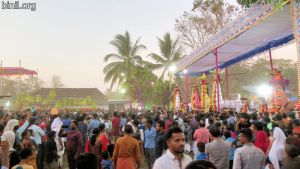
[70, 38]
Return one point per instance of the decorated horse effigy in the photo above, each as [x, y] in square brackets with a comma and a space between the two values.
[279, 99]
[177, 99]
[195, 100]
[204, 98]
[245, 105]
[263, 106]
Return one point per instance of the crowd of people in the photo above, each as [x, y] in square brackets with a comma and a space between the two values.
[95, 139]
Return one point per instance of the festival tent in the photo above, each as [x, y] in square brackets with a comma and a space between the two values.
[15, 71]
[258, 29]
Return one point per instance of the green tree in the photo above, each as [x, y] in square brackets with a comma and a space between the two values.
[126, 59]
[205, 19]
[248, 3]
[170, 53]
[56, 82]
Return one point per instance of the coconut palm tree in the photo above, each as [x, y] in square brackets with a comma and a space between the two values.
[170, 53]
[126, 58]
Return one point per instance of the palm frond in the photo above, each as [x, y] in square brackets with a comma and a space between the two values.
[165, 45]
[110, 74]
[137, 47]
[157, 58]
[112, 55]
[163, 74]
[122, 43]
[110, 66]
[137, 59]
[152, 66]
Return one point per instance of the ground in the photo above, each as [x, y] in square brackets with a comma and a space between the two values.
[143, 164]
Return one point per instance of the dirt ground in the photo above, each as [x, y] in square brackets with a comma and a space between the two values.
[143, 162]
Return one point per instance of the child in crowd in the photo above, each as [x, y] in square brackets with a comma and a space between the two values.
[201, 152]
[106, 162]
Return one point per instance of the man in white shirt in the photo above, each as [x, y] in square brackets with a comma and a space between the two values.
[174, 157]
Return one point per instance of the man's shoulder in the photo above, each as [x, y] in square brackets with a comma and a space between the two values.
[187, 157]
[238, 150]
[126, 139]
[208, 145]
[162, 159]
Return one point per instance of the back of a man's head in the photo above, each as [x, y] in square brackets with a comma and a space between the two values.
[247, 133]
[258, 125]
[201, 164]
[128, 129]
[215, 132]
[87, 160]
[25, 153]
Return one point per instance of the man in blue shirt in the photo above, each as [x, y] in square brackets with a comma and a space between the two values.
[150, 135]
[123, 121]
[67, 122]
[94, 123]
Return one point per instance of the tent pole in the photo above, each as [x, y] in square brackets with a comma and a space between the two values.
[271, 61]
[217, 79]
[295, 7]
[20, 78]
[1, 80]
[187, 91]
[227, 83]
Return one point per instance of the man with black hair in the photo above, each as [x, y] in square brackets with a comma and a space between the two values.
[127, 152]
[201, 164]
[174, 157]
[261, 137]
[74, 143]
[248, 156]
[38, 133]
[296, 126]
[25, 156]
[217, 150]
[82, 127]
[159, 140]
[150, 135]
[243, 121]
[230, 142]
[292, 150]
[87, 161]
[51, 156]
[94, 123]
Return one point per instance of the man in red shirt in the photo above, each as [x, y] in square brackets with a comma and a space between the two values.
[296, 126]
[202, 134]
[168, 123]
[115, 125]
[23, 120]
[74, 143]
[261, 137]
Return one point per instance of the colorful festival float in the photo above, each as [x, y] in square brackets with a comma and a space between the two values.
[195, 99]
[245, 105]
[204, 98]
[259, 29]
[177, 103]
[279, 100]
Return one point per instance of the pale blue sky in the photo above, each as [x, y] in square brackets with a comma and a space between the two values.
[69, 38]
